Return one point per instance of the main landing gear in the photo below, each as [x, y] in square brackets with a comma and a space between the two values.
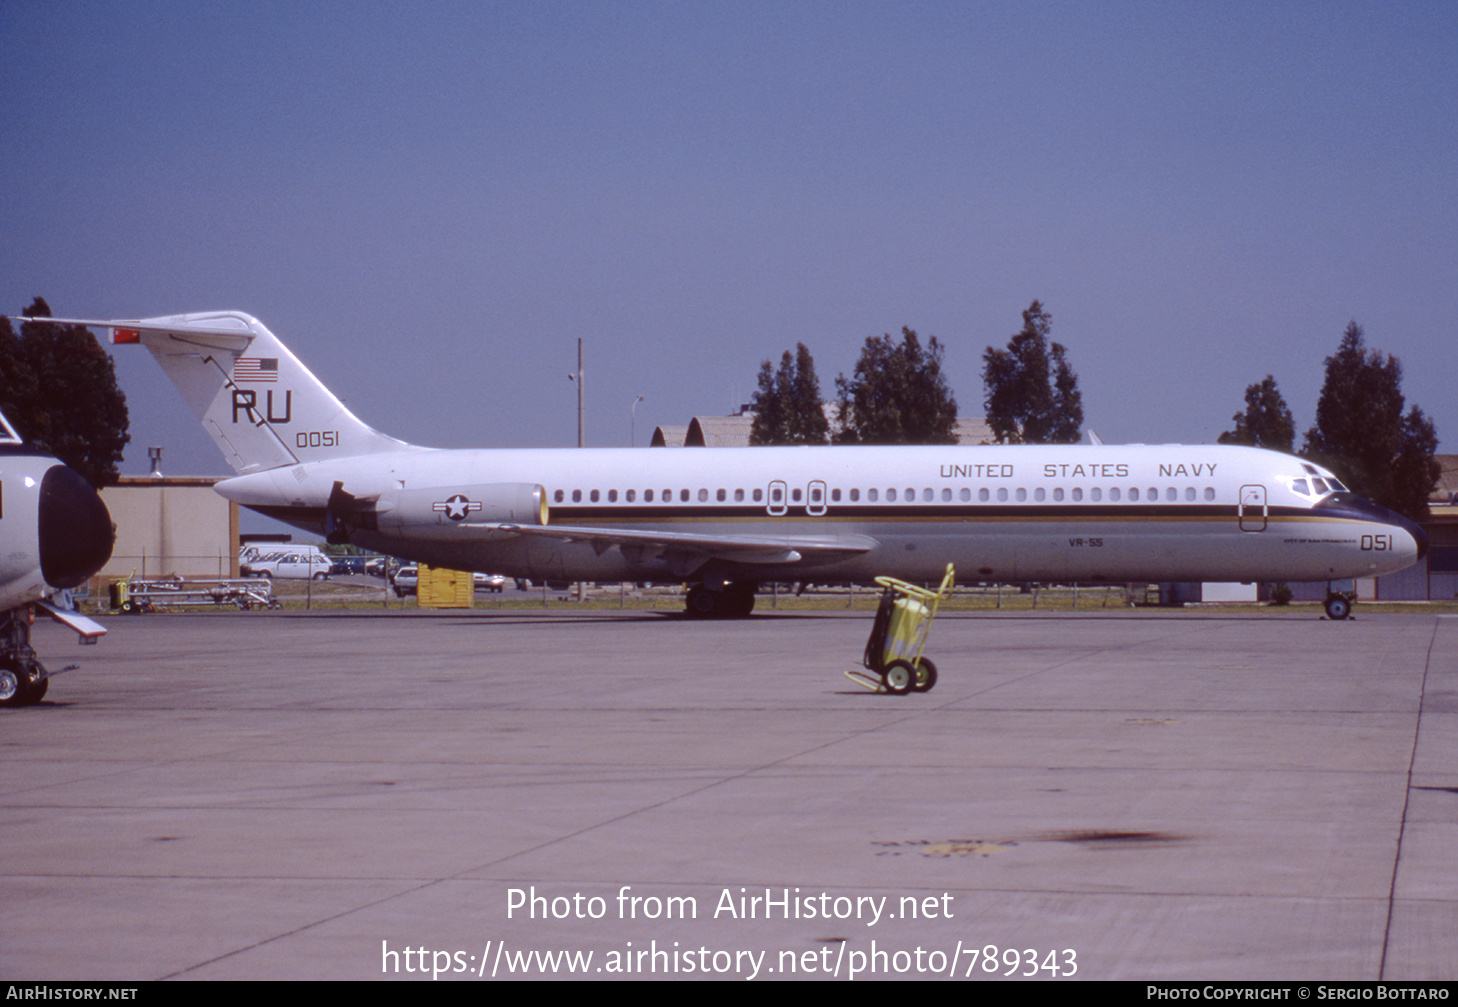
[735, 600]
[23, 680]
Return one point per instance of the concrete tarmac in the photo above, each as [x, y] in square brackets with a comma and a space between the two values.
[1160, 796]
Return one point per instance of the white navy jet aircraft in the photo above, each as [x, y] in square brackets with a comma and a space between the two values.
[54, 533]
[726, 519]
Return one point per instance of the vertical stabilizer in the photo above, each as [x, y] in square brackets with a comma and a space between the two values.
[261, 406]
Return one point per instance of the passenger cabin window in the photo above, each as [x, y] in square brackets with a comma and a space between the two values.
[593, 496]
[683, 496]
[738, 496]
[758, 495]
[558, 496]
[871, 495]
[633, 495]
[855, 495]
[891, 496]
[612, 496]
[983, 495]
[576, 496]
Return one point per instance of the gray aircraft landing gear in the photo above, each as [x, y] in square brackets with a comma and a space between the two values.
[23, 679]
[734, 601]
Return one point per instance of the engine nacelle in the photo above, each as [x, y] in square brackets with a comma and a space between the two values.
[455, 509]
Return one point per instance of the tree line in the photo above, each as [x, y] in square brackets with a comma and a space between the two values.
[897, 394]
[58, 389]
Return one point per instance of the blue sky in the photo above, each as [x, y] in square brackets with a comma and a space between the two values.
[431, 202]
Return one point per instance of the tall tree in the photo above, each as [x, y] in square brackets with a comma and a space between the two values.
[58, 388]
[897, 395]
[1362, 434]
[1032, 392]
[788, 408]
[1266, 422]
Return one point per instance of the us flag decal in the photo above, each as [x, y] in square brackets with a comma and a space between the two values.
[255, 369]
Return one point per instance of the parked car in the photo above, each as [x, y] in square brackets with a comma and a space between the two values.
[406, 580]
[489, 582]
[288, 565]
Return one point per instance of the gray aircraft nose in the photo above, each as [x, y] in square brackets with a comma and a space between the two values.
[76, 534]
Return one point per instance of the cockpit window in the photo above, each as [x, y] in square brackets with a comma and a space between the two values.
[1320, 486]
[1299, 485]
[1336, 484]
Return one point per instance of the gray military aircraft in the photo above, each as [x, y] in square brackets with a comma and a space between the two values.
[54, 533]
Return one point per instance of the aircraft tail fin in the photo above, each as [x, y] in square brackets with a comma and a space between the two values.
[261, 406]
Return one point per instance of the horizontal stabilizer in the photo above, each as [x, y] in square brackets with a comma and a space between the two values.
[89, 629]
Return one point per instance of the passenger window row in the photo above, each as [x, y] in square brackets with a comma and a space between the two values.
[1096, 494]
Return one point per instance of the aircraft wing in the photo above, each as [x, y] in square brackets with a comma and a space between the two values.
[687, 552]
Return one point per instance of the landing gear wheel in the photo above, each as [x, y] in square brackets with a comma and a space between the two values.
[741, 600]
[12, 686]
[1338, 607]
[899, 678]
[926, 675]
[16, 688]
[705, 604]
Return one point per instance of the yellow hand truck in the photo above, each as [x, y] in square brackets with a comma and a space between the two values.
[893, 653]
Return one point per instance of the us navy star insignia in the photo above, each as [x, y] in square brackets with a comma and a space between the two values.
[456, 507]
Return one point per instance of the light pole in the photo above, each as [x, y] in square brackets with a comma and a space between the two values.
[633, 422]
[578, 378]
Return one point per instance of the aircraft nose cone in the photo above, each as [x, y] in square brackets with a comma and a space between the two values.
[1419, 537]
[76, 534]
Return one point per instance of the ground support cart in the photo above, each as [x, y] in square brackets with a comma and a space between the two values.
[893, 653]
[137, 595]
